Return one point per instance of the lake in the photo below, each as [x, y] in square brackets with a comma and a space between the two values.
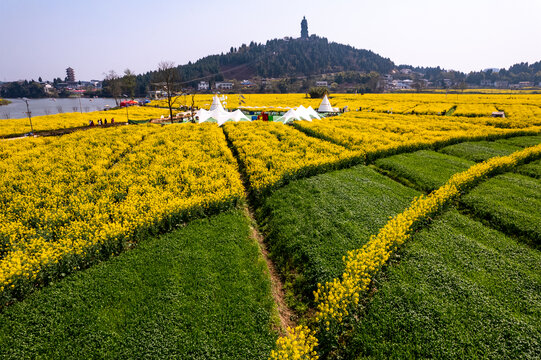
[48, 106]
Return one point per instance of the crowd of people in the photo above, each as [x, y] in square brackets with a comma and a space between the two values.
[101, 122]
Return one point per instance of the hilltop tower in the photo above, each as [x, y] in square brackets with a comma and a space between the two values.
[304, 28]
[70, 75]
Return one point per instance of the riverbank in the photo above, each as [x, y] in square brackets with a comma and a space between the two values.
[16, 109]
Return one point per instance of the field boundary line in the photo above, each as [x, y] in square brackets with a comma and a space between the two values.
[285, 314]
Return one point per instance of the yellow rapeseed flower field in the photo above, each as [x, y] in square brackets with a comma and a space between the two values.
[384, 134]
[519, 106]
[273, 154]
[75, 119]
[472, 105]
[69, 200]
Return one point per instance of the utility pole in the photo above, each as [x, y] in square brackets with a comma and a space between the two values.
[29, 115]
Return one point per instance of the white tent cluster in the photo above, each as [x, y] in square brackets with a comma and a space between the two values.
[218, 114]
[301, 113]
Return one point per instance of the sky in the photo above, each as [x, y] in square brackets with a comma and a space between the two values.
[42, 38]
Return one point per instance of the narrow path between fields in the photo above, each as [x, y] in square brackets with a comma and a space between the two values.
[277, 288]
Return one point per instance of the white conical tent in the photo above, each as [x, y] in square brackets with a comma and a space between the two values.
[325, 105]
[216, 104]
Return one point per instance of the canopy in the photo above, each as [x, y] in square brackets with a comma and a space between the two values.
[307, 113]
[127, 103]
[288, 117]
[325, 105]
[313, 113]
[301, 113]
[220, 116]
[237, 115]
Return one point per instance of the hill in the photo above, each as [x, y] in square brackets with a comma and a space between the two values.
[281, 58]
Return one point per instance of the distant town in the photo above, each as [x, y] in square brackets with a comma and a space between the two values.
[398, 80]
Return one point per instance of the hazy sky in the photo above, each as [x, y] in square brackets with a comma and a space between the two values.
[44, 37]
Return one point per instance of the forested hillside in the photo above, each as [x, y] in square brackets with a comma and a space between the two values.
[280, 58]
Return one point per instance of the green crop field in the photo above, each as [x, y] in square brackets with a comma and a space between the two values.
[426, 170]
[511, 202]
[201, 292]
[312, 223]
[479, 150]
[459, 290]
[522, 141]
[532, 169]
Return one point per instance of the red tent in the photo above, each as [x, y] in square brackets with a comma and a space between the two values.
[128, 103]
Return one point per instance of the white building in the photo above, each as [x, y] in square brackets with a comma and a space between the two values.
[98, 84]
[224, 85]
[156, 94]
[48, 88]
[402, 84]
[203, 85]
[322, 83]
[487, 83]
[524, 84]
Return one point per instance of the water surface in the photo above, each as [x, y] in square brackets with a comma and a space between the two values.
[48, 106]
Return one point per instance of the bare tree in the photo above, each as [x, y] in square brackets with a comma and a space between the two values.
[193, 107]
[113, 85]
[168, 78]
